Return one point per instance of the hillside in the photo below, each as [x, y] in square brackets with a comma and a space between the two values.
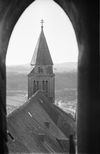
[65, 84]
[66, 76]
[18, 81]
[58, 68]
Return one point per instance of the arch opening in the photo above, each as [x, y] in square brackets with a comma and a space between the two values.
[63, 67]
[88, 101]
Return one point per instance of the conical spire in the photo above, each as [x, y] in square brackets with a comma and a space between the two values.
[41, 54]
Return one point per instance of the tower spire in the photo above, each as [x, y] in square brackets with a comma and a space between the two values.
[41, 76]
[42, 21]
[41, 54]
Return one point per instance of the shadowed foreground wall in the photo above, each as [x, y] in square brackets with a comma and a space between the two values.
[84, 17]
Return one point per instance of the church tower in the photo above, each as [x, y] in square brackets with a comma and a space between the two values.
[41, 76]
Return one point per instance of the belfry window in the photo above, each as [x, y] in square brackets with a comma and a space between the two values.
[37, 85]
[40, 70]
[43, 86]
[34, 86]
[46, 87]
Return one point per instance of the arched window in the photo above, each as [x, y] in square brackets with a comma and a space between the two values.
[76, 12]
[45, 83]
[40, 70]
[34, 86]
[43, 86]
[46, 88]
[37, 85]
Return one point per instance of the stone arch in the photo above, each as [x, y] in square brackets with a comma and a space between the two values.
[84, 21]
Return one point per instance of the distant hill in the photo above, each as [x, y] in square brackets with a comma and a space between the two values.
[65, 84]
[66, 76]
[65, 67]
[59, 68]
[23, 69]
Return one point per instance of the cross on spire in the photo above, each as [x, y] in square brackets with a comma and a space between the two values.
[42, 21]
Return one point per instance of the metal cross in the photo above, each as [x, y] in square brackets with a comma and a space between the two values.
[42, 21]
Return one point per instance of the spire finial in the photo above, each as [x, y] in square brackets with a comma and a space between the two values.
[42, 21]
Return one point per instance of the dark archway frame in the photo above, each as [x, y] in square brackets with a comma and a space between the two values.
[84, 17]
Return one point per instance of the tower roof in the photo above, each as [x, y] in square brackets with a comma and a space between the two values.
[41, 54]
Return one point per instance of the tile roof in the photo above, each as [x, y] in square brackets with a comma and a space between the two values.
[35, 125]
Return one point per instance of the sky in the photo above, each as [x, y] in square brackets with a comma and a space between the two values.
[58, 31]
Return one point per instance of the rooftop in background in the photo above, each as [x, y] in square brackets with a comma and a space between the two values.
[39, 122]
